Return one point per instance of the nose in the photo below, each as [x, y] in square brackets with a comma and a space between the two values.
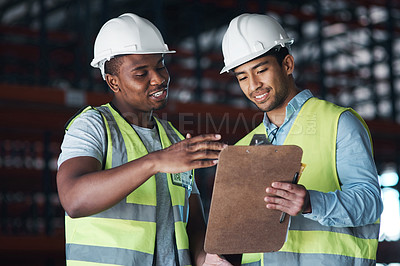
[159, 77]
[254, 83]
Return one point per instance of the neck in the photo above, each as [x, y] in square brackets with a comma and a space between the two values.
[138, 118]
[277, 115]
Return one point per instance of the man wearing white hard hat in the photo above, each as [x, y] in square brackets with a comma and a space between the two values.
[125, 178]
[336, 205]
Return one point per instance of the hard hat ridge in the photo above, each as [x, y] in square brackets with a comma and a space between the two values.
[249, 36]
[127, 34]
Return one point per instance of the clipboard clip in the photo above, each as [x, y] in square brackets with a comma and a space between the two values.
[259, 139]
[294, 181]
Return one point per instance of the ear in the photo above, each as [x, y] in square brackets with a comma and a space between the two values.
[288, 64]
[112, 82]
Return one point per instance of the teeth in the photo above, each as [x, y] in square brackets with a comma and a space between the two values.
[261, 96]
[158, 94]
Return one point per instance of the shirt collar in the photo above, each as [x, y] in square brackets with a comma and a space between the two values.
[293, 106]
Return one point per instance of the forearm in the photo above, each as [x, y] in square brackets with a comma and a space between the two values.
[88, 192]
[351, 208]
[85, 190]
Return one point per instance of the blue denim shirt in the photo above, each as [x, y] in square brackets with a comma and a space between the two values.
[359, 202]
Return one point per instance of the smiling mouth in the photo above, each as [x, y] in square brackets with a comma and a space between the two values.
[261, 97]
[159, 94]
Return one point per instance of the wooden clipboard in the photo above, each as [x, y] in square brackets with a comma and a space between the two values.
[239, 221]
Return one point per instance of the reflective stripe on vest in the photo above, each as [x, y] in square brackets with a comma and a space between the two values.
[125, 233]
[256, 263]
[308, 242]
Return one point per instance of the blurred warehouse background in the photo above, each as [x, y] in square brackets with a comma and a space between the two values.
[347, 52]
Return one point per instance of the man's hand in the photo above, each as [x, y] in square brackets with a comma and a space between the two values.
[215, 260]
[80, 179]
[192, 153]
[290, 198]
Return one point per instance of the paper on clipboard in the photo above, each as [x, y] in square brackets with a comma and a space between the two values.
[239, 221]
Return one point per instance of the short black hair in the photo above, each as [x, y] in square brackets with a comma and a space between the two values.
[278, 52]
[112, 66]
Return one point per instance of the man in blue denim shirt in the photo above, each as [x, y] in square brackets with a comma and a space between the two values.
[336, 206]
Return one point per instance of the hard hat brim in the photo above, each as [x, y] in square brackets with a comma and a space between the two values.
[284, 43]
[95, 62]
[242, 61]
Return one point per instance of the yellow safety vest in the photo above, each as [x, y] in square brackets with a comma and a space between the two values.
[308, 242]
[125, 234]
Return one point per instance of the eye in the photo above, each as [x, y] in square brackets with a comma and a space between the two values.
[262, 70]
[241, 78]
[160, 65]
[141, 74]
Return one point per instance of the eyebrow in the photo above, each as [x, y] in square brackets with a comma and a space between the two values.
[265, 62]
[146, 66]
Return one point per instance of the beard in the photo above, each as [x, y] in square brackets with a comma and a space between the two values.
[276, 100]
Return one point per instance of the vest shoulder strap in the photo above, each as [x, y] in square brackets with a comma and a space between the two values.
[83, 110]
[173, 134]
[245, 141]
[75, 116]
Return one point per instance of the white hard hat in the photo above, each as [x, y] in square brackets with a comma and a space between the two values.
[127, 34]
[249, 36]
